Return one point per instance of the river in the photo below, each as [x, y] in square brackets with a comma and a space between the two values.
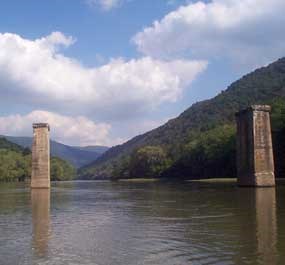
[138, 223]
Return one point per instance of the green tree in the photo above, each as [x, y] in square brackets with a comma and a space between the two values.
[13, 165]
[278, 114]
[148, 162]
[121, 169]
[61, 170]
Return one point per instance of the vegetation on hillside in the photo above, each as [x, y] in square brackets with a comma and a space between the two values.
[209, 155]
[61, 170]
[15, 164]
[145, 162]
[200, 143]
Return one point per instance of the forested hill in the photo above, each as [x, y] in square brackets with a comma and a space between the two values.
[259, 87]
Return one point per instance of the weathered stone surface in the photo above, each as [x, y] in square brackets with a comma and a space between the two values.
[41, 156]
[255, 164]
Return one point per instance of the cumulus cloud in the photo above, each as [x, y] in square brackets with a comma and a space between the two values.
[248, 32]
[69, 130]
[105, 5]
[36, 73]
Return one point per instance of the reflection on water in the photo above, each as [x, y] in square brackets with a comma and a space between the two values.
[142, 223]
[257, 214]
[40, 201]
[266, 225]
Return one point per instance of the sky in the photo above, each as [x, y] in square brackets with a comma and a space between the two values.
[103, 71]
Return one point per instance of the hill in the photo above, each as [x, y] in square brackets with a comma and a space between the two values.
[201, 122]
[77, 156]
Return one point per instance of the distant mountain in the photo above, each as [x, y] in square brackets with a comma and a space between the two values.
[95, 148]
[77, 156]
[259, 87]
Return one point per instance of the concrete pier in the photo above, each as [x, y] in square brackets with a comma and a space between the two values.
[41, 156]
[255, 165]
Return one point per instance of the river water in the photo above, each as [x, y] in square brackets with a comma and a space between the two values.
[142, 223]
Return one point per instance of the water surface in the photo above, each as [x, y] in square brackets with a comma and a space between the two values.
[142, 223]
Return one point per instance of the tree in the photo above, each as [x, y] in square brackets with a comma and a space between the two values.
[61, 170]
[121, 169]
[148, 162]
[278, 114]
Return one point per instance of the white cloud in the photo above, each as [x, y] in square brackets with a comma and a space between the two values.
[69, 130]
[54, 40]
[249, 32]
[34, 72]
[105, 5]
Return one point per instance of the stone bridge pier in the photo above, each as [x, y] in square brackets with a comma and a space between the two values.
[255, 165]
[40, 156]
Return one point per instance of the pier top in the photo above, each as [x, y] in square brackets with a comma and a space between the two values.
[265, 108]
[41, 125]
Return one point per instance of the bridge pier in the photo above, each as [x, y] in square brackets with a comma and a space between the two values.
[41, 156]
[255, 165]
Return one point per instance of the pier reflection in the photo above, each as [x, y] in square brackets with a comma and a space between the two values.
[266, 225]
[40, 199]
[257, 214]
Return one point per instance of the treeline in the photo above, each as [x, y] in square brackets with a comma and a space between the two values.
[208, 154]
[15, 164]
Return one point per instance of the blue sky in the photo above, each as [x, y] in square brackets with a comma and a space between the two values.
[98, 31]
[103, 71]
